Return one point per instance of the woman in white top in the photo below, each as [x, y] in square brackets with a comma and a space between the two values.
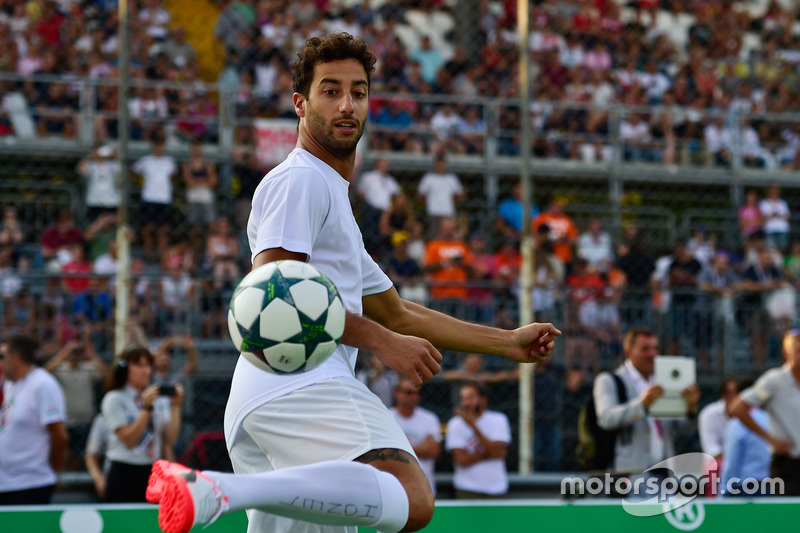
[137, 429]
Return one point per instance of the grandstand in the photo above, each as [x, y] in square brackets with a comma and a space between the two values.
[653, 117]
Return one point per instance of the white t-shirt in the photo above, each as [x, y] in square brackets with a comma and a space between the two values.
[303, 206]
[157, 173]
[595, 250]
[378, 189]
[417, 427]
[120, 407]
[488, 476]
[773, 211]
[101, 184]
[711, 423]
[29, 406]
[440, 191]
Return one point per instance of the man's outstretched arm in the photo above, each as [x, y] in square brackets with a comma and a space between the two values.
[526, 344]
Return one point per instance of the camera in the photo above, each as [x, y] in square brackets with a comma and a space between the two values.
[166, 390]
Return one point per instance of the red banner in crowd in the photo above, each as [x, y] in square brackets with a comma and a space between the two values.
[275, 138]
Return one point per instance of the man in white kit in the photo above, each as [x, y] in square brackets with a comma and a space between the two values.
[318, 452]
[421, 426]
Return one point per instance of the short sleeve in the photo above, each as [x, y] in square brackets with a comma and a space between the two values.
[113, 408]
[457, 436]
[456, 184]
[374, 280]
[424, 186]
[139, 165]
[503, 430]
[97, 440]
[435, 427]
[762, 391]
[289, 210]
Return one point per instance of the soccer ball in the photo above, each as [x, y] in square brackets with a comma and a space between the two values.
[286, 317]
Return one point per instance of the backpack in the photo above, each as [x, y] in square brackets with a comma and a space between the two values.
[595, 444]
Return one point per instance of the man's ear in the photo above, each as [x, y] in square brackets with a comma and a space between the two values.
[299, 104]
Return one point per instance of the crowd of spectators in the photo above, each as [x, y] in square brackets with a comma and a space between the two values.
[696, 77]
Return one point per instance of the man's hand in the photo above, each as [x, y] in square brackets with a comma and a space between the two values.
[781, 447]
[468, 416]
[532, 343]
[651, 394]
[691, 396]
[412, 357]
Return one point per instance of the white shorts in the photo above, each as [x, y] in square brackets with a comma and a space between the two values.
[335, 419]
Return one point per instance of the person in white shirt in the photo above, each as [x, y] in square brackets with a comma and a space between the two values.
[295, 469]
[421, 426]
[776, 215]
[377, 187]
[442, 192]
[101, 170]
[713, 418]
[596, 247]
[478, 440]
[157, 171]
[33, 436]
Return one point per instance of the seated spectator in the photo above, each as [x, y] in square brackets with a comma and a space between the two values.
[637, 135]
[178, 49]
[399, 217]
[404, 271]
[471, 368]
[175, 297]
[549, 275]
[148, 111]
[718, 141]
[447, 263]
[378, 378]
[57, 239]
[447, 128]
[429, 57]
[56, 112]
[11, 232]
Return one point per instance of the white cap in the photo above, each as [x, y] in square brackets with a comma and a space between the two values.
[105, 151]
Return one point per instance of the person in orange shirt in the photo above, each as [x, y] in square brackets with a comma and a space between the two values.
[448, 260]
[563, 231]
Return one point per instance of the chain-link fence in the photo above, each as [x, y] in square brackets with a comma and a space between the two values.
[658, 130]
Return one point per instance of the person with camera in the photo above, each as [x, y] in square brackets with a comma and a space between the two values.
[141, 428]
[101, 169]
[77, 367]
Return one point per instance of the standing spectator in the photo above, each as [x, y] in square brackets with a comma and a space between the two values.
[510, 211]
[404, 271]
[562, 229]
[11, 232]
[644, 440]
[78, 369]
[33, 438]
[595, 246]
[97, 464]
[157, 171]
[638, 267]
[776, 218]
[682, 282]
[718, 283]
[480, 293]
[548, 407]
[398, 218]
[222, 253]
[713, 419]
[448, 260]
[377, 188]
[200, 179]
[442, 192]
[761, 278]
[750, 217]
[247, 174]
[478, 440]
[421, 426]
[138, 431]
[101, 170]
[778, 393]
[430, 59]
[549, 274]
[747, 455]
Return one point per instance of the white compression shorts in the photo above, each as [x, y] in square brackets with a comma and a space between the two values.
[335, 419]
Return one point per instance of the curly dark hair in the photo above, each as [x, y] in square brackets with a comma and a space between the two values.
[332, 47]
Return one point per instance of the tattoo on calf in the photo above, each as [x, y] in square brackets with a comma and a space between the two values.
[385, 454]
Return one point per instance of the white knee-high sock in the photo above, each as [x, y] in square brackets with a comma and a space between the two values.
[331, 492]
